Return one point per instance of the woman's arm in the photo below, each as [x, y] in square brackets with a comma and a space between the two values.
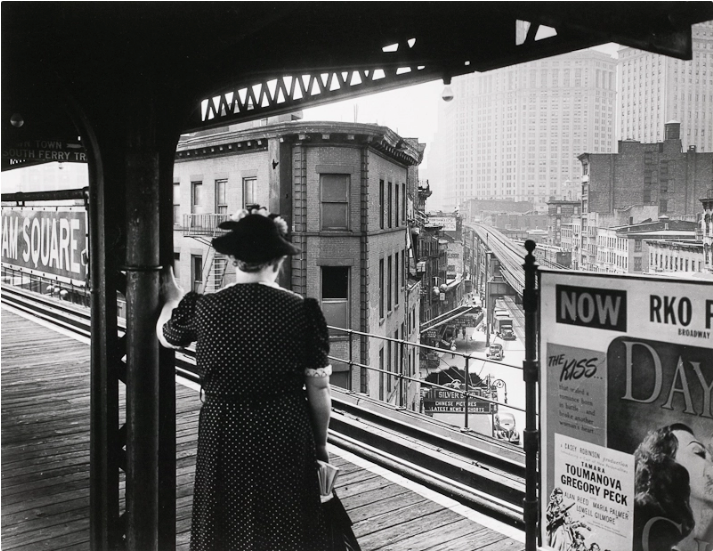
[320, 405]
[172, 293]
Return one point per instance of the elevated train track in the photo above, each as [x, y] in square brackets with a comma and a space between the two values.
[510, 254]
[478, 471]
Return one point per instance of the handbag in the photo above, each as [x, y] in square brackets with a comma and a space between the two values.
[339, 526]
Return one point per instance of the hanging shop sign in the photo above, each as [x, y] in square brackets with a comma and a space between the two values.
[46, 241]
[627, 412]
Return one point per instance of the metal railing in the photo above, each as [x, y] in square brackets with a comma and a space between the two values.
[52, 287]
[469, 392]
[202, 224]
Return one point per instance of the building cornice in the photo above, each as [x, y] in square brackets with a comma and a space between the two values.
[231, 142]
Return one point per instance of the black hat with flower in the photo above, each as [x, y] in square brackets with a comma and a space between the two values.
[254, 236]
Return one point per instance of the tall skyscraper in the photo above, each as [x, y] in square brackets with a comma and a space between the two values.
[656, 89]
[515, 133]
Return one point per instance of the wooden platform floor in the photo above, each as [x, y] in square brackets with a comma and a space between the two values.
[45, 462]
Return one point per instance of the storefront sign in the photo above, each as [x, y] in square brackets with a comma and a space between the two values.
[633, 395]
[448, 401]
[448, 222]
[48, 241]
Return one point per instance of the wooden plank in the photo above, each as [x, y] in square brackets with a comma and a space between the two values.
[461, 532]
[390, 533]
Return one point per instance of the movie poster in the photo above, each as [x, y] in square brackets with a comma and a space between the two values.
[627, 414]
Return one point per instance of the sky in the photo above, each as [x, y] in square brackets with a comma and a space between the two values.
[411, 112]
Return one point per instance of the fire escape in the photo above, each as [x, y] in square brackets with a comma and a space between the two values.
[203, 228]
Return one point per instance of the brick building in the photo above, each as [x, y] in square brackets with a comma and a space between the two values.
[659, 174]
[560, 213]
[626, 249]
[643, 180]
[675, 256]
[342, 189]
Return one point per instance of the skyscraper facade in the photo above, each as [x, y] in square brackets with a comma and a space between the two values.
[515, 133]
[656, 89]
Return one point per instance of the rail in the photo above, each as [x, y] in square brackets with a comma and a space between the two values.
[478, 470]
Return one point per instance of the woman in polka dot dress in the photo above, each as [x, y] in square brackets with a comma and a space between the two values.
[263, 425]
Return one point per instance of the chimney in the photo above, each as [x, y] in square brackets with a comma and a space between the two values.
[672, 130]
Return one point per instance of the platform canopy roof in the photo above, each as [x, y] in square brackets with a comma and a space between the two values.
[113, 56]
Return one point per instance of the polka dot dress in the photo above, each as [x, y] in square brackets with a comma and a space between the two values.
[256, 482]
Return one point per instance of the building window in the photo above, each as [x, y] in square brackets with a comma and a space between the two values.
[396, 279]
[221, 202]
[637, 264]
[637, 245]
[335, 201]
[381, 288]
[403, 268]
[389, 368]
[249, 191]
[335, 296]
[403, 202]
[197, 272]
[381, 204]
[389, 288]
[390, 204]
[176, 203]
[196, 196]
[397, 206]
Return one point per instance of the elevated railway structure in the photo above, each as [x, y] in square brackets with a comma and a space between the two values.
[509, 254]
[128, 78]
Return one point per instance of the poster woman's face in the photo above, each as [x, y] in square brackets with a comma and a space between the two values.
[693, 456]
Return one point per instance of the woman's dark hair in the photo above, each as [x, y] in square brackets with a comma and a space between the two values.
[661, 489]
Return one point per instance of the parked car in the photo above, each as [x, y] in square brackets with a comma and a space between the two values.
[495, 351]
[504, 428]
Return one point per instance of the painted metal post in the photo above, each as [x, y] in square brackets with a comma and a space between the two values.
[530, 376]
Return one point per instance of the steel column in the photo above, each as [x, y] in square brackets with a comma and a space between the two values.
[142, 397]
[530, 376]
[105, 250]
[167, 371]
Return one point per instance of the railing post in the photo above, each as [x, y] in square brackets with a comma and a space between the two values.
[467, 389]
[401, 373]
[530, 376]
[351, 361]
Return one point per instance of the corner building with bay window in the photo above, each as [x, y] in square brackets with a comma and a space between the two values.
[345, 191]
